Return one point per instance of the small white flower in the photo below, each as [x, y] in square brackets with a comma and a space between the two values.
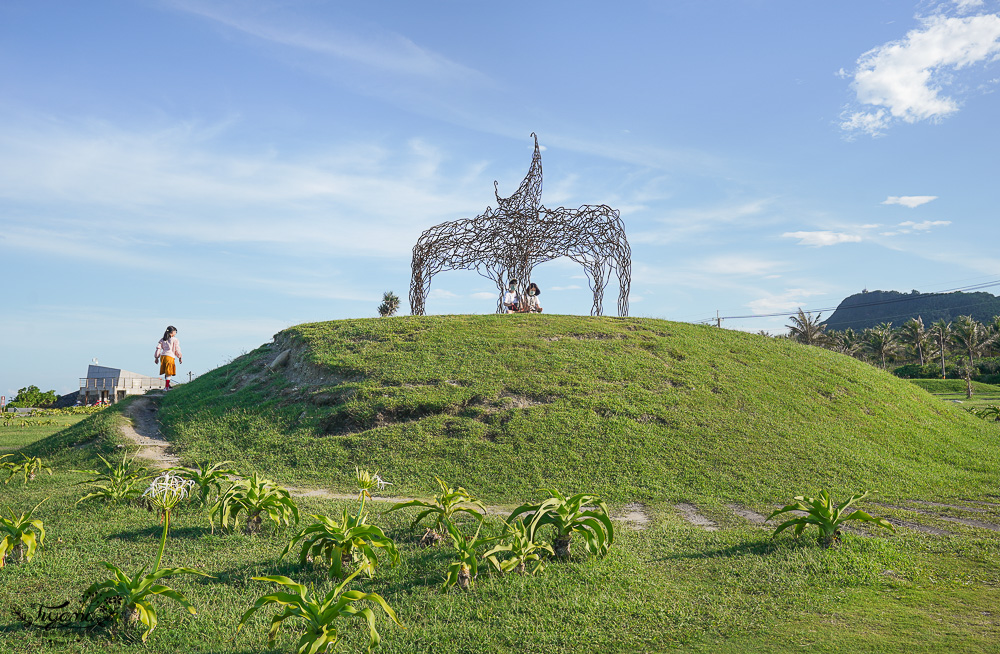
[167, 490]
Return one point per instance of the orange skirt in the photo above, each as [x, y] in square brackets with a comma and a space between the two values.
[167, 366]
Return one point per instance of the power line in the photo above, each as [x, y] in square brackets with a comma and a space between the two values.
[906, 298]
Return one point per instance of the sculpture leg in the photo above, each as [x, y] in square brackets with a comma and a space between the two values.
[624, 284]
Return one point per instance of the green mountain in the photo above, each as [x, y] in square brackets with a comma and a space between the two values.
[634, 409]
[870, 308]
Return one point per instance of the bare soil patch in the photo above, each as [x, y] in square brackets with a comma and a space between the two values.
[690, 513]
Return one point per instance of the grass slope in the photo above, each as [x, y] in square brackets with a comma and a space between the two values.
[634, 409]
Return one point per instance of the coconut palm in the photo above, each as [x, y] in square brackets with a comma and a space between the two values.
[972, 336]
[806, 329]
[846, 342]
[914, 335]
[389, 306]
[941, 332]
[882, 341]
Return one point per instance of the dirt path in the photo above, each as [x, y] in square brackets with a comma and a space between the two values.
[145, 432]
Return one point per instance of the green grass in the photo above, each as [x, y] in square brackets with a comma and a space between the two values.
[633, 409]
[670, 587]
[637, 410]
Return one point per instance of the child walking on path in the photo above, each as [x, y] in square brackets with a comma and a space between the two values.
[167, 350]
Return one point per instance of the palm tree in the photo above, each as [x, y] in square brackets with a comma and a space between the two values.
[941, 331]
[846, 342]
[914, 335]
[972, 336]
[806, 329]
[882, 341]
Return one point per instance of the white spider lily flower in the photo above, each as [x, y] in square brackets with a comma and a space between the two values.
[167, 490]
[368, 481]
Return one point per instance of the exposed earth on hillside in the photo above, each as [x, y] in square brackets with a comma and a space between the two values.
[145, 432]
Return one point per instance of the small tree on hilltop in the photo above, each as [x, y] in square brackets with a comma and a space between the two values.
[389, 306]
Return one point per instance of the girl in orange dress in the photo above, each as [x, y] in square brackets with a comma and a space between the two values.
[168, 349]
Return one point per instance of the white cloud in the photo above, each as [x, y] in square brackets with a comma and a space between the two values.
[441, 294]
[903, 79]
[965, 6]
[911, 201]
[571, 287]
[924, 226]
[742, 265]
[685, 223]
[484, 295]
[789, 300]
[822, 238]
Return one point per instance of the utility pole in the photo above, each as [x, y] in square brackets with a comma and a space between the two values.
[718, 320]
[190, 375]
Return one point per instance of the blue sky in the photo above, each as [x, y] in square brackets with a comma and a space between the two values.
[234, 168]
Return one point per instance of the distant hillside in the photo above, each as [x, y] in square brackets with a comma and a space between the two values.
[870, 308]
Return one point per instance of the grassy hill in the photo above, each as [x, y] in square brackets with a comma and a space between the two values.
[634, 409]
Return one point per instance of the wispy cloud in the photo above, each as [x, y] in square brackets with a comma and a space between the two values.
[822, 238]
[903, 80]
[180, 184]
[379, 50]
[686, 223]
[911, 201]
[923, 226]
[789, 300]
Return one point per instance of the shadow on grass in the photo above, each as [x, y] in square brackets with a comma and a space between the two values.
[756, 548]
[155, 531]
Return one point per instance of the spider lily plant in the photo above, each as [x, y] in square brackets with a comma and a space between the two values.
[523, 550]
[444, 506]
[135, 594]
[28, 468]
[120, 481]
[164, 493]
[322, 614]
[256, 497]
[20, 535]
[569, 517]
[465, 570]
[207, 478]
[828, 517]
[351, 540]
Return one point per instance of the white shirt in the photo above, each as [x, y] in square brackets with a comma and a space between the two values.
[510, 297]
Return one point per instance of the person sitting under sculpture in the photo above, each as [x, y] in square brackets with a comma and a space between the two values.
[511, 300]
[531, 304]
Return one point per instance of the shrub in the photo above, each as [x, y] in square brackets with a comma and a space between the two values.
[321, 615]
[827, 517]
[28, 468]
[256, 497]
[20, 535]
[118, 482]
[568, 517]
[351, 540]
[134, 592]
[444, 506]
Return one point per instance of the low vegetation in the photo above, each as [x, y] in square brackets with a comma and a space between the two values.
[500, 409]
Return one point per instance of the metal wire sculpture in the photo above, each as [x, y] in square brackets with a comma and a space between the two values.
[507, 243]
